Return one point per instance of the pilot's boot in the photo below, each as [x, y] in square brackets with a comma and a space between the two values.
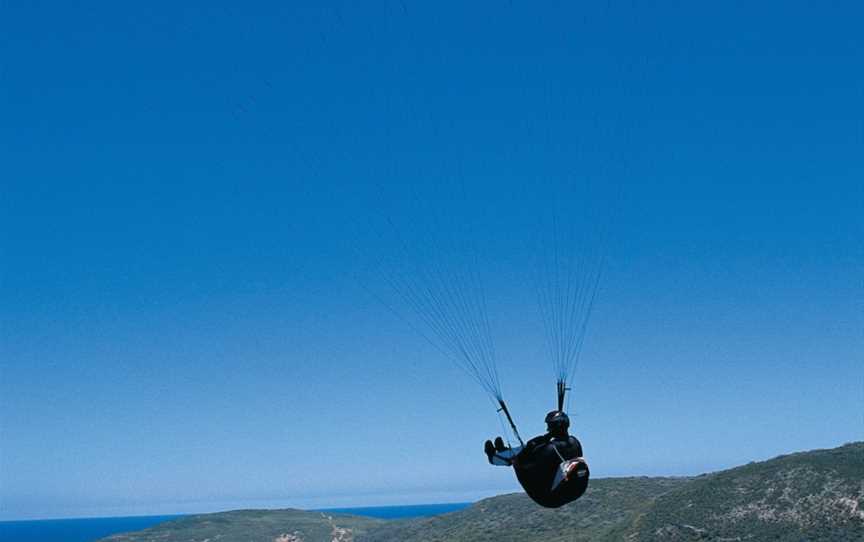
[489, 448]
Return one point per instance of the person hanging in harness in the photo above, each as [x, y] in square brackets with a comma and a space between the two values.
[550, 467]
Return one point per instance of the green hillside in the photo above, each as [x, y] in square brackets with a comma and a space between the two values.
[816, 495]
[809, 496]
[255, 525]
[512, 518]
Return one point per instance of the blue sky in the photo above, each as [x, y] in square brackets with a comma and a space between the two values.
[184, 192]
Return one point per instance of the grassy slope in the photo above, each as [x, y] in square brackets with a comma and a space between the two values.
[816, 495]
[598, 515]
[250, 526]
[810, 496]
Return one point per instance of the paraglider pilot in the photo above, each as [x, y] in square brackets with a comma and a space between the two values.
[550, 467]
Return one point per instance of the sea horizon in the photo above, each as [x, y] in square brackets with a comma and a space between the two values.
[90, 529]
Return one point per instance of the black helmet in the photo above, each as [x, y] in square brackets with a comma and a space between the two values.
[557, 421]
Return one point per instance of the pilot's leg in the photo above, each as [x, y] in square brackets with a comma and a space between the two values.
[499, 453]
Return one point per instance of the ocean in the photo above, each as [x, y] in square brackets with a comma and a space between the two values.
[91, 529]
[73, 530]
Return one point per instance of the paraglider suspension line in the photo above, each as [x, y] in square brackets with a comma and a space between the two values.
[562, 391]
[510, 420]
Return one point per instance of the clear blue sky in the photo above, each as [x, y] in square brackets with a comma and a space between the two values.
[181, 327]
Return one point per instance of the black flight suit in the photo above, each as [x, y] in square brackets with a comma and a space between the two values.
[538, 463]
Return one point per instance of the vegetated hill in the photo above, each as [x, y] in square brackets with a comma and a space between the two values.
[809, 496]
[816, 495]
[253, 526]
[597, 515]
